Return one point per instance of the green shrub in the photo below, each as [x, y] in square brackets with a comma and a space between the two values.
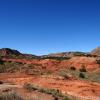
[1, 62]
[82, 69]
[64, 74]
[55, 93]
[30, 87]
[81, 75]
[73, 68]
[65, 98]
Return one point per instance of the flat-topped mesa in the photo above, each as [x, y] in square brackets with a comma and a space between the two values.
[96, 51]
[8, 51]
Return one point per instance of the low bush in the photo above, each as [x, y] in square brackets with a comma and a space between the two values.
[81, 75]
[1, 82]
[98, 61]
[30, 87]
[73, 68]
[63, 74]
[82, 69]
[65, 98]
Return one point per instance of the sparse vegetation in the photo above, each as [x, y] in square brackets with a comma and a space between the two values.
[1, 62]
[49, 72]
[55, 93]
[79, 54]
[1, 82]
[94, 77]
[98, 61]
[73, 68]
[82, 69]
[64, 74]
[10, 96]
[30, 87]
[56, 58]
[81, 75]
[65, 98]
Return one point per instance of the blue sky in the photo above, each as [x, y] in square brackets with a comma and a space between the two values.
[46, 26]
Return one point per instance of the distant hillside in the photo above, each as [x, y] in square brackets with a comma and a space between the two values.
[7, 52]
[67, 54]
[96, 51]
[12, 61]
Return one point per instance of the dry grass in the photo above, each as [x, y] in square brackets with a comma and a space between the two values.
[12, 95]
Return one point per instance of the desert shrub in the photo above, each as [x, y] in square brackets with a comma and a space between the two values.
[2, 69]
[73, 68]
[52, 92]
[1, 62]
[30, 87]
[63, 74]
[65, 98]
[55, 93]
[98, 61]
[94, 77]
[81, 75]
[56, 98]
[10, 96]
[10, 67]
[1, 82]
[49, 72]
[82, 69]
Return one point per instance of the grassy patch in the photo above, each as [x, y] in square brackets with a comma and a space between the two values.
[55, 93]
[10, 96]
[74, 73]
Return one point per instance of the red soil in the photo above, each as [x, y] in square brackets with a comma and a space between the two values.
[55, 65]
[82, 89]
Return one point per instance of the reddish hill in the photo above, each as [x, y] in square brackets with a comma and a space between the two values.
[8, 52]
[74, 74]
[52, 63]
[55, 65]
